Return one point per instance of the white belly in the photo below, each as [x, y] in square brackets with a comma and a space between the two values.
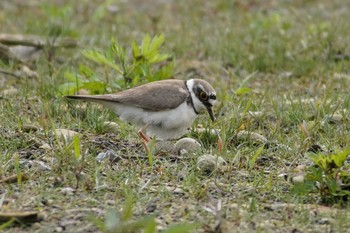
[168, 124]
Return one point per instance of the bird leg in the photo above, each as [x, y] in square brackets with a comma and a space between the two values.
[220, 144]
[144, 138]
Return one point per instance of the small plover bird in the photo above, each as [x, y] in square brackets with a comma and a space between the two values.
[162, 109]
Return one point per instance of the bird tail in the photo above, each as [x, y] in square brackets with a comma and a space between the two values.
[93, 98]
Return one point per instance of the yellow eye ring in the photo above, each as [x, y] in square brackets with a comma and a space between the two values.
[203, 95]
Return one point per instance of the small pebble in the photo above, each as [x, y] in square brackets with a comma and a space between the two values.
[299, 178]
[164, 146]
[10, 91]
[209, 163]
[25, 54]
[35, 164]
[40, 166]
[65, 134]
[175, 190]
[324, 221]
[59, 229]
[45, 146]
[25, 164]
[67, 191]
[334, 118]
[111, 155]
[152, 205]
[283, 176]
[83, 92]
[111, 127]
[254, 137]
[29, 128]
[212, 132]
[300, 168]
[28, 72]
[190, 145]
[183, 152]
[113, 9]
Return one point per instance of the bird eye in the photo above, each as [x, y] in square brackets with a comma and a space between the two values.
[203, 95]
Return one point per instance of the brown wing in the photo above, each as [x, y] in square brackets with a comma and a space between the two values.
[152, 96]
[149, 96]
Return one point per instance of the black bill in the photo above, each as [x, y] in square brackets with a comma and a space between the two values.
[211, 114]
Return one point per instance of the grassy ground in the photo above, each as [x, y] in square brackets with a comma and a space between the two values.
[292, 55]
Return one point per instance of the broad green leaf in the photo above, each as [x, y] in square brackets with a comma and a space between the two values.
[110, 55]
[332, 185]
[320, 160]
[100, 58]
[145, 69]
[135, 50]
[145, 44]
[68, 88]
[303, 188]
[86, 71]
[117, 49]
[331, 161]
[340, 157]
[158, 58]
[151, 55]
[314, 174]
[74, 78]
[94, 87]
[164, 72]
[157, 42]
[136, 80]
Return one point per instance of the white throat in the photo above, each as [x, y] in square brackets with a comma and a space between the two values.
[197, 104]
